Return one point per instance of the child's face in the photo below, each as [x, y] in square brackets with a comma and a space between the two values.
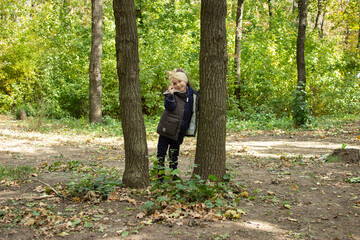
[179, 85]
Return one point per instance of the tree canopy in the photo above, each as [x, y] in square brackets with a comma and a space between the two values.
[45, 50]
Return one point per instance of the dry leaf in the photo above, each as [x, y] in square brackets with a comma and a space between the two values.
[39, 189]
[141, 215]
[113, 196]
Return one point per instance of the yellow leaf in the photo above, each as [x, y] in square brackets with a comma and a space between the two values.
[244, 194]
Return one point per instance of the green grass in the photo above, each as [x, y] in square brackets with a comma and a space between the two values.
[14, 173]
[112, 127]
[269, 122]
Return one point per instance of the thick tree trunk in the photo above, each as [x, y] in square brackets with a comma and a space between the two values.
[238, 33]
[136, 172]
[300, 105]
[95, 115]
[210, 152]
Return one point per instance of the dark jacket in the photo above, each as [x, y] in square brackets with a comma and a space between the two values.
[180, 115]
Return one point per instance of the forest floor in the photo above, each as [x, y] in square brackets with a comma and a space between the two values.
[293, 192]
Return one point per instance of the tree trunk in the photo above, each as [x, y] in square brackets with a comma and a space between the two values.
[136, 174]
[95, 115]
[300, 105]
[210, 150]
[270, 13]
[322, 24]
[347, 34]
[294, 6]
[358, 45]
[317, 14]
[238, 33]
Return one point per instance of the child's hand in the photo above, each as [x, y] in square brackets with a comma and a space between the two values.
[171, 89]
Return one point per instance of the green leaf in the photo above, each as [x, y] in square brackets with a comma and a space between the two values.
[162, 199]
[35, 213]
[209, 204]
[88, 225]
[219, 202]
[213, 178]
[124, 234]
[148, 205]
[176, 172]
[74, 224]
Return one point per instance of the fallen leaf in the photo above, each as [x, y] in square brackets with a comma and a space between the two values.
[292, 219]
[244, 194]
[63, 234]
[113, 196]
[39, 189]
[141, 215]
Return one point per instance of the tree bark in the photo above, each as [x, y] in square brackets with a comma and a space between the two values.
[300, 108]
[95, 113]
[210, 150]
[238, 33]
[136, 174]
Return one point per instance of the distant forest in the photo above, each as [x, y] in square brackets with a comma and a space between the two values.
[45, 52]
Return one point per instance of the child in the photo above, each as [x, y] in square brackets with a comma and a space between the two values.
[178, 119]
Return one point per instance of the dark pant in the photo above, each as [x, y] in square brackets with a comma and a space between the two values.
[173, 146]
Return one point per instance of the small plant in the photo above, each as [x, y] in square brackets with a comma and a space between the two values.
[170, 189]
[64, 166]
[353, 180]
[15, 173]
[101, 181]
[332, 159]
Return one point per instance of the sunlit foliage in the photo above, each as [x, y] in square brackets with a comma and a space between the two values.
[45, 49]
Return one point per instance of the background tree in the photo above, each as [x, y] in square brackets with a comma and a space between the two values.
[54, 79]
[210, 148]
[270, 13]
[136, 174]
[300, 108]
[95, 113]
[238, 35]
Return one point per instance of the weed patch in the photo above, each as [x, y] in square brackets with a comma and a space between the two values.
[15, 173]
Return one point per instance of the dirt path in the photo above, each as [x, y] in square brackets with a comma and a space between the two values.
[294, 194]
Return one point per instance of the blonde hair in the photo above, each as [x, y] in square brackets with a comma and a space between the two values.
[179, 74]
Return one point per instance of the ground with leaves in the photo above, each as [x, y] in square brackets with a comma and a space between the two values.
[288, 191]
